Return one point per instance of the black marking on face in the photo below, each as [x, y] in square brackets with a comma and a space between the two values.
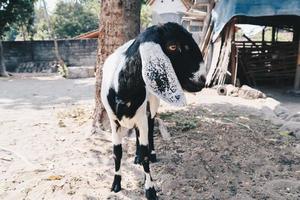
[186, 59]
[160, 78]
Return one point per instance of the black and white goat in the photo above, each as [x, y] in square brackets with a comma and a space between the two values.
[160, 63]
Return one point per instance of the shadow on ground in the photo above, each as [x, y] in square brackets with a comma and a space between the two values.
[34, 93]
[215, 154]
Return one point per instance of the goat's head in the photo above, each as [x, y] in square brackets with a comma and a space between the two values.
[171, 62]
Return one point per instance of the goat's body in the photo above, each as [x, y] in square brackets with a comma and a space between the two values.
[130, 105]
[123, 92]
[158, 64]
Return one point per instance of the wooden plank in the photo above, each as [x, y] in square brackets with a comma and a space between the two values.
[206, 40]
[234, 64]
[297, 77]
[214, 60]
[223, 65]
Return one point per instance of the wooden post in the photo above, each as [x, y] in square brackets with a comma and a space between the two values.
[273, 34]
[234, 64]
[263, 35]
[297, 76]
[233, 55]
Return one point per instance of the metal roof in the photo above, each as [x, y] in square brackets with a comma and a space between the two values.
[225, 10]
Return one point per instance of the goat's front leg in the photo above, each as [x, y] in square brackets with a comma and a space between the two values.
[144, 153]
[117, 151]
[152, 157]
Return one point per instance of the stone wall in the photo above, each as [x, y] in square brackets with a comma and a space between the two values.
[38, 54]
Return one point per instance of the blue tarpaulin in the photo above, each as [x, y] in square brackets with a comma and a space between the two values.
[225, 10]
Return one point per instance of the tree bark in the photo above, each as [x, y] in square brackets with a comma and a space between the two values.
[53, 35]
[119, 22]
[2, 65]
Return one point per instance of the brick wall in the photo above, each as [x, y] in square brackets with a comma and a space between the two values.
[40, 53]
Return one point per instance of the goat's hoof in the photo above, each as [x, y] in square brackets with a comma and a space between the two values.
[153, 158]
[137, 160]
[151, 194]
[116, 186]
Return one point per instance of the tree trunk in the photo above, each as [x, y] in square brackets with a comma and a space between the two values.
[2, 65]
[51, 32]
[119, 22]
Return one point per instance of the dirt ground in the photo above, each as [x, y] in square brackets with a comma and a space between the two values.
[221, 147]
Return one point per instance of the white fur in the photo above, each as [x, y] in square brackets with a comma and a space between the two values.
[200, 72]
[111, 69]
[154, 104]
[148, 182]
[162, 129]
[150, 52]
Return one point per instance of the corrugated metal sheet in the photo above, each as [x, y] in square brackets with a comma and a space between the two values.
[226, 9]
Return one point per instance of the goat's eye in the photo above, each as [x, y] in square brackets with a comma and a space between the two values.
[172, 47]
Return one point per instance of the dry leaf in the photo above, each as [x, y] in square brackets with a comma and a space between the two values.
[61, 124]
[54, 178]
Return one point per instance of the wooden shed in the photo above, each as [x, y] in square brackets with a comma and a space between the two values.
[248, 61]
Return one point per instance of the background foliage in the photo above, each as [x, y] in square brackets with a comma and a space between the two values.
[16, 14]
[70, 18]
[74, 18]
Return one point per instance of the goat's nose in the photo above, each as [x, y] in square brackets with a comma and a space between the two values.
[202, 78]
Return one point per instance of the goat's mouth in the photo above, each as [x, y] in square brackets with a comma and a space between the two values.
[191, 86]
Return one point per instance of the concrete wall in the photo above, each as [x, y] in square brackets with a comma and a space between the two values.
[165, 17]
[40, 53]
[168, 6]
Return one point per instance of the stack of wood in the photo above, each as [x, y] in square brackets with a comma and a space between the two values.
[267, 61]
[258, 61]
[218, 56]
[245, 92]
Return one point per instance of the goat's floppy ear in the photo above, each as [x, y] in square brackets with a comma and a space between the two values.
[159, 75]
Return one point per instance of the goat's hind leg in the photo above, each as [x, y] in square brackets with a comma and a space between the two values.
[117, 153]
[144, 153]
[152, 156]
[137, 158]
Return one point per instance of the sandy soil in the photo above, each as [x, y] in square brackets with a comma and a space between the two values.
[221, 147]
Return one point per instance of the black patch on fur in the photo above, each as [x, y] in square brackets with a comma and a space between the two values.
[131, 92]
[144, 152]
[118, 156]
[151, 194]
[119, 104]
[116, 186]
[137, 159]
[150, 133]
[117, 125]
[161, 79]
[185, 60]
[152, 157]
